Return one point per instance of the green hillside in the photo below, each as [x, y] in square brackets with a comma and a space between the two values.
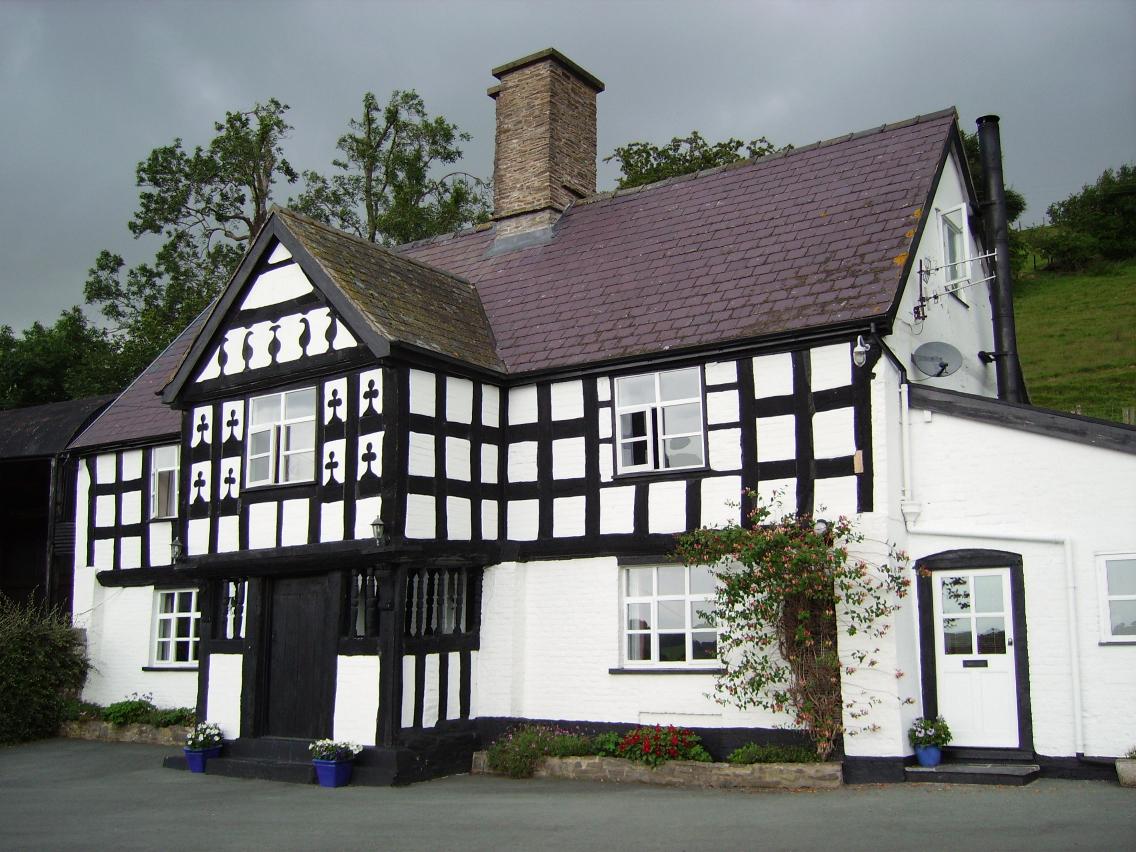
[1077, 339]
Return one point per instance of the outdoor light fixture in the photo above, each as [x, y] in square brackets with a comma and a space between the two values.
[176, 549]
[379, 530]
[820, 526]
[860, 351]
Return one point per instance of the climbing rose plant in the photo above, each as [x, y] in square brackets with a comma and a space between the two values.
[788, 590]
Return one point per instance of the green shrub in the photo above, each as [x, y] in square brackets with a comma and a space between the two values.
[518, 752]
[607, 744]
[657, 745]
[754, 753]
[133, 710]
[164, 718]
[75, 710]
[42, 665]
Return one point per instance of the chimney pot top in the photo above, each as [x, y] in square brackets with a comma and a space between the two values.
[541, 55]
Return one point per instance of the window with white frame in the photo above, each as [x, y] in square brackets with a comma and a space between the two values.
[665, 619]
[164, 481]
[659, 421]
[956, 246]
[175, 628]
[1117, 576]
[282, 438]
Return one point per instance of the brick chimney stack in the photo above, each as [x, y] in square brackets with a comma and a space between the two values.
[546, 140]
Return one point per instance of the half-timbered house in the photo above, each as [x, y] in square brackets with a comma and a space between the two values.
[410, 497]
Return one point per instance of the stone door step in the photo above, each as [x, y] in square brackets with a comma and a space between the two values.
[1006, 774]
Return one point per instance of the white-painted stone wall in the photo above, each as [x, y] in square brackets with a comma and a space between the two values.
[997, 481]
[963, 319]
[119, 629]
[550, 633]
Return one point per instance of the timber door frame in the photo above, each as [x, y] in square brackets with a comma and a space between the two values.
[928, 632]
[254, 707]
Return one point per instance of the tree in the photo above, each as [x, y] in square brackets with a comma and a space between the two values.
[1015, 201]
[208, 205]
[67, 360]
[385, 192]
[1104, 212]
[641, 162]
[788, 591]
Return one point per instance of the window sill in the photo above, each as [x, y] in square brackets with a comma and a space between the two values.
[170, 669]
[1104, 642]
[716, 670]
[666, 473]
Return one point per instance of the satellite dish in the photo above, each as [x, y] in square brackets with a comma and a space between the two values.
[937, 359]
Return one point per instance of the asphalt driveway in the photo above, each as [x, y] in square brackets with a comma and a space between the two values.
[70, 794]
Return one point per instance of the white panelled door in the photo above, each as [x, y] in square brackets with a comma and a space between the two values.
[974, 656]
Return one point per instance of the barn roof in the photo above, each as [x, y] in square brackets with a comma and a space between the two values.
[42, 431]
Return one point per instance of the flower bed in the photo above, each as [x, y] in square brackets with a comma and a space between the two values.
[683, 773]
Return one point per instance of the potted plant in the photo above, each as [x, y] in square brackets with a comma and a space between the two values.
[929, 736]
[202, 743]
[1126, 768]
[333, 761]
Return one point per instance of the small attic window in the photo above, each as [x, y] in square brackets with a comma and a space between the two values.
[956, 248]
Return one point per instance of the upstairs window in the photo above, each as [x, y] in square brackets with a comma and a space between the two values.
[163, 481]
[956, 247]
[282, 438]
[664, 616]
[1117, 575]
[659, 420]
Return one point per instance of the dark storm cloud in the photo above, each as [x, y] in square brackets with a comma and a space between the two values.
[87, 89]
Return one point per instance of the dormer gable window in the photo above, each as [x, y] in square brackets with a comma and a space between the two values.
[659, 421]
[282, 438]
[956, 246]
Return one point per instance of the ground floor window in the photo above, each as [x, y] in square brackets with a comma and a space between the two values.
[664, 616]
[1117, 578]
[175, 627]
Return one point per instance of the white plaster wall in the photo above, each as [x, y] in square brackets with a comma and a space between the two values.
[977, 476]
[968, 326]
[550, 633]
[223, 702]
[356, 699]
[119, 629]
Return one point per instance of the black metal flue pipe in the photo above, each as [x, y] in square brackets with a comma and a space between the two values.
[1009, 370]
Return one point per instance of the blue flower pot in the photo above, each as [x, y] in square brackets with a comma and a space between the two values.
[333, 773]
[196, 758]
[928, 755]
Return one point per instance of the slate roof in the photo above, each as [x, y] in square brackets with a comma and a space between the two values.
[815, 237]
[138, 414]
[402, 299]
[43, 430]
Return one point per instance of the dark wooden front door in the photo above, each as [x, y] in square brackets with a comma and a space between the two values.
[301, 658]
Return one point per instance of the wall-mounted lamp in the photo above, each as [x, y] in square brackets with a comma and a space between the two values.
[176, 549]
[378, 528]
[860, 351]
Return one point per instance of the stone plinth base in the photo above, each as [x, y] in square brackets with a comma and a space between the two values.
[685, 773]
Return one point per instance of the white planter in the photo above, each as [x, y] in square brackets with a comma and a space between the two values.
[1126, 771]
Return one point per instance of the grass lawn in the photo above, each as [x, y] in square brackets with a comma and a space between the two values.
[1077, 340]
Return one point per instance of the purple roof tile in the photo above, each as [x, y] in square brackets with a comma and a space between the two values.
[790, 242]
[138, 415]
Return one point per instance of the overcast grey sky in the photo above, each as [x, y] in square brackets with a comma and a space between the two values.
[87, 89]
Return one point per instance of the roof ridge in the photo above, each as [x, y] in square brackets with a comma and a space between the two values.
[286, 211]
[766, 158]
